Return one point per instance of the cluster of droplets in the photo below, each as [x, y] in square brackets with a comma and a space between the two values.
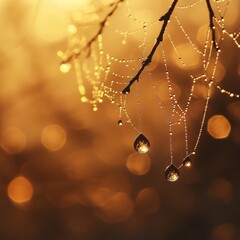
[172, 173]
[105, 81]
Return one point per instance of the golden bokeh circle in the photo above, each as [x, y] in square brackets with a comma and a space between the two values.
[118, 208]
[138, 164]
[13, 140]
[221, 189]
[20, 190]
[219, 127]
[53, 137]
[148, 200]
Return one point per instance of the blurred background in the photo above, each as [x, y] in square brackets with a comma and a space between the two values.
[68, 173]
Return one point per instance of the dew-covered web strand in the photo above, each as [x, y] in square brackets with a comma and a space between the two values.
[108, 82]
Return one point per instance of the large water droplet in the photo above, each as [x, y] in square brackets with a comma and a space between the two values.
[172, 173]
[141, 144]
[187, 162]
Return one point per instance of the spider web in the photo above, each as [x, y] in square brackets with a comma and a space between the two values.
[109, 42]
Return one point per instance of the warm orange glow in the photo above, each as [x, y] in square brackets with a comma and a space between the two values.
[200, 91]
[53, 137]
[190, 60]
[164, 94]
[63, 200]
[95, 193]
[118, 208]
[147, 200]
[71, 4]
[51, 23]
[20, 190]
[138, 164]
[201, 35]
[221, 189]
[218, 127]
[13, 140]
[67, 172]
[225, 231]
[220, 71]
[234, 110]
[72, 29]
[99, 196]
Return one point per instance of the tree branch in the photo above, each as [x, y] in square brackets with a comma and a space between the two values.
[211, 24]
[99, 32]
[165, 18]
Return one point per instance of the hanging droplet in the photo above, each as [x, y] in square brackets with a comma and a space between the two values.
[120, 122]
[124, 41]
[172, 173]
[126, 90]
[187, 162]
[141, 144]
[65, 67]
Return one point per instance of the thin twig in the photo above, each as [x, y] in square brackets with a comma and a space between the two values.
[165, 18]
[99, 32]
[211, 24]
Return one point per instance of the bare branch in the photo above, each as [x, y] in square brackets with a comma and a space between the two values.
[211, 24]
[165, 18]
[99, 32]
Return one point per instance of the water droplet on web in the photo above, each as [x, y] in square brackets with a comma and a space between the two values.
[126, 90]
[172, 173]
[120, 122]
[187, 162]
[141, 144]
[65, 67]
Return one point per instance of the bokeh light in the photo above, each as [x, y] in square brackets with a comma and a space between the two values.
[221, 189]
[148, 200]
[138, 164]
[118, 208]
[95, 193]
[234, 110]
[190, 60]
[200, 91]
[220, 71]
[226, 231]
[69, 173]
[218, 127]
[13, 140]
[53, 137]
[65, 67]
[163, 91]
[20, 190]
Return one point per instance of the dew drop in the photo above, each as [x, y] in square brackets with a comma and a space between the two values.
[141, 144]
[95, 108]
[172, 173]
[120, 122]
[126, 90]
[65, 67]
[187, 162]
